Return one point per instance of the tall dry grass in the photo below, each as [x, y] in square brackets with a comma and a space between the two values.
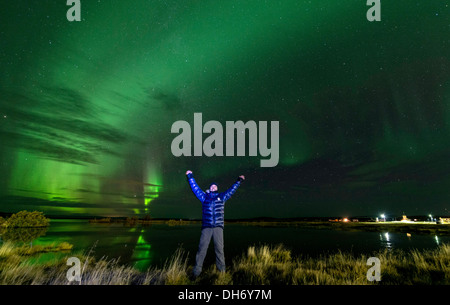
[275, 265]
[262, 265]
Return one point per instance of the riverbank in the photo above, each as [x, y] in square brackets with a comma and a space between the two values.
[402, 227]
[423, 228]
[263, 265]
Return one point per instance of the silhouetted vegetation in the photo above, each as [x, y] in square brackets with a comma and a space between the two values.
[23, 226]
[136, 221]
[25, 219]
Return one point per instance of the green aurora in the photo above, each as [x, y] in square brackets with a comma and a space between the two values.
[86, 107]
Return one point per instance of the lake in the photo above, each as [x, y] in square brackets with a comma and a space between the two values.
[153, 245]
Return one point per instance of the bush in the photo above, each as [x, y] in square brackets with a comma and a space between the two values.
[25, 219]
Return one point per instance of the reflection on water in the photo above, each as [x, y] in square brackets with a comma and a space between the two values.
[153, 245]
[386, 241]
[142, 255]
[22, 235]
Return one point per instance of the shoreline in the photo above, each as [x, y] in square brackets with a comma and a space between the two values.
[394, 226]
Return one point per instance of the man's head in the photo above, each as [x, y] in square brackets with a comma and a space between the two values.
[213, 187]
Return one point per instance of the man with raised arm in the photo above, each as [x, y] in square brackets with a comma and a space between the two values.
[213, 204]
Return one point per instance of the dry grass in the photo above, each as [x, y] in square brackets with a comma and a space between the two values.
[264, 265]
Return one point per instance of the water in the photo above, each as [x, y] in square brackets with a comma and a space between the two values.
[154, 244]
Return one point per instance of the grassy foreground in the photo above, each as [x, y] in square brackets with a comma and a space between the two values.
[266, 265]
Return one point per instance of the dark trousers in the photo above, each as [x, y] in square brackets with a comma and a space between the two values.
[205, 238]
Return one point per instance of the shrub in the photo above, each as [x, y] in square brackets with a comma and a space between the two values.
[25, 219]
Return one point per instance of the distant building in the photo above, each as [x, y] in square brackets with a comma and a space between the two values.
[406, 219]
[444, 220]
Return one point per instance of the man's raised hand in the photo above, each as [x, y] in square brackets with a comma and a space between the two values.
[188, 172]
[242, 177]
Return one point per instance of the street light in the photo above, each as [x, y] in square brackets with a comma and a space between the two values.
[384, 217]
[431, 217]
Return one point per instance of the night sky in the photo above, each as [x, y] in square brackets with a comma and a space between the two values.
[86, 108]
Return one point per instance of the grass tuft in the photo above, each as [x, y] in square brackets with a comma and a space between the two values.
[262, 265]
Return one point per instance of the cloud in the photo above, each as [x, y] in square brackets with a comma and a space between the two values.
[60, 202]
[167, 100]
[117, 181]
[57, 126]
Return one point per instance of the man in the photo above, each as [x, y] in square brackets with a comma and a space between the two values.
[213, 204]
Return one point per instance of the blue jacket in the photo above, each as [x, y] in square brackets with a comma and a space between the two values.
[213, 203]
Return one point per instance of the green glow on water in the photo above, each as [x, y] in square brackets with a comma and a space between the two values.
[142, 255]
